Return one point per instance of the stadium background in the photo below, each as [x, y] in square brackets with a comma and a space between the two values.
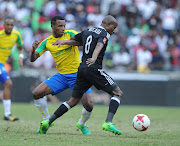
[143, 56]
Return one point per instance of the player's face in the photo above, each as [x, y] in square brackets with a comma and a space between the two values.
[8, 25]
[111, 27]
[58, 28]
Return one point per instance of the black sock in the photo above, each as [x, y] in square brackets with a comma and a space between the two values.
[52, 118]
[113, 106]
[58, 113]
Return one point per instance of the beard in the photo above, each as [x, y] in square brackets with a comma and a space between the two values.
[8, 32]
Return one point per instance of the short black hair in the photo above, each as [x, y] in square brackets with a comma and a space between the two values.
[53, 20]
[8, 17]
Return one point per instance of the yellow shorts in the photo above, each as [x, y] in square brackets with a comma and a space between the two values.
[143, 69]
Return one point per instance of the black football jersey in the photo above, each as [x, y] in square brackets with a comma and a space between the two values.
[89, 38]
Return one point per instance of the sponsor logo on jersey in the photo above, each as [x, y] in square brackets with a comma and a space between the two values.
[104, 40]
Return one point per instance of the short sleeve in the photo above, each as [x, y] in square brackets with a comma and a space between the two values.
[42, 48]
[104, 37]
[19, 40]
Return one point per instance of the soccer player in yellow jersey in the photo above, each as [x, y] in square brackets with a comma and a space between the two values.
[67, 62]
[8, 37]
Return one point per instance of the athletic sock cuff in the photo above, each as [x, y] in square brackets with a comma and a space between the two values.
[40, 101]
[116, 98]
[65, 103]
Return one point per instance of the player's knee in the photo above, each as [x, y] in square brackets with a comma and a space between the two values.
[118, 92]
[73, 101]
[87, 102]
[88, 106]
[35, 94]
[8, 84]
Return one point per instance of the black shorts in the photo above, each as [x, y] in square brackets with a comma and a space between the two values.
[89, 76]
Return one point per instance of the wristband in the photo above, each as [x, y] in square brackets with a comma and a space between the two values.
[21, 56]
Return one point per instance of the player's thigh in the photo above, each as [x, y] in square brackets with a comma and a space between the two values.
[8, 83]
[103, 81]
[81, 86]
[71, 79]
[4, 76]
[57, 83]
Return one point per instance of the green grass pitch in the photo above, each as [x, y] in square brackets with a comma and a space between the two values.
[164, 129]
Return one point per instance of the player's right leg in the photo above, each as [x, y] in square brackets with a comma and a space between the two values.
[86, 112]
[52, 85]
[103, 81]
[6, 81]
[7, 102]
[39, 94]
[40, 100]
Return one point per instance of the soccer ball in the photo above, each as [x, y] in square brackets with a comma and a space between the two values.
[141, 122]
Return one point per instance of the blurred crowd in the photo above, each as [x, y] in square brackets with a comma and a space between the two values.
[147, 37]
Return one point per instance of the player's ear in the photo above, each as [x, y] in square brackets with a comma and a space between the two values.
[51, 26]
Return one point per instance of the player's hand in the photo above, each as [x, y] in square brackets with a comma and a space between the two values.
[90, 61]
[20, 61]
[35, 45]
[59, 43]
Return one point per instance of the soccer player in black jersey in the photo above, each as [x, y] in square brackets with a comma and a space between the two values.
[90, 72]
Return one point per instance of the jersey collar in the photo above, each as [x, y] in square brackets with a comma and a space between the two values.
[104, 29]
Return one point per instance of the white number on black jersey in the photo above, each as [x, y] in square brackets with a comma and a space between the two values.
[88, 43]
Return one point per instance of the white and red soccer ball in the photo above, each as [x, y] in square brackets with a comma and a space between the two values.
[141, 122]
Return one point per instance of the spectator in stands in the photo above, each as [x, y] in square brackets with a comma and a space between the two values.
[157, 61]
[137, 19]
[121, 59]
[144, 58]
[175, 54]
[161, 41]
[169, 18]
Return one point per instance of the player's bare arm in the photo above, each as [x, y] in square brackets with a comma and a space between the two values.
[34, 54]
[96, 52]
[67, 42]
[21, 56]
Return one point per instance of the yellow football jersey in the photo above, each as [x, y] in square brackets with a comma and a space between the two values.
[66, 57]
[7, 42]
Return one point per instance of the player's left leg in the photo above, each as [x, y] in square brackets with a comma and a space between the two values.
[113, 106]
[86, 101]
[104, 82]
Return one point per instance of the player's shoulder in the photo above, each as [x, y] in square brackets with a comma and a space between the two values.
[104, 32]
[2, 31]
[71, 32]
[48, 38]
